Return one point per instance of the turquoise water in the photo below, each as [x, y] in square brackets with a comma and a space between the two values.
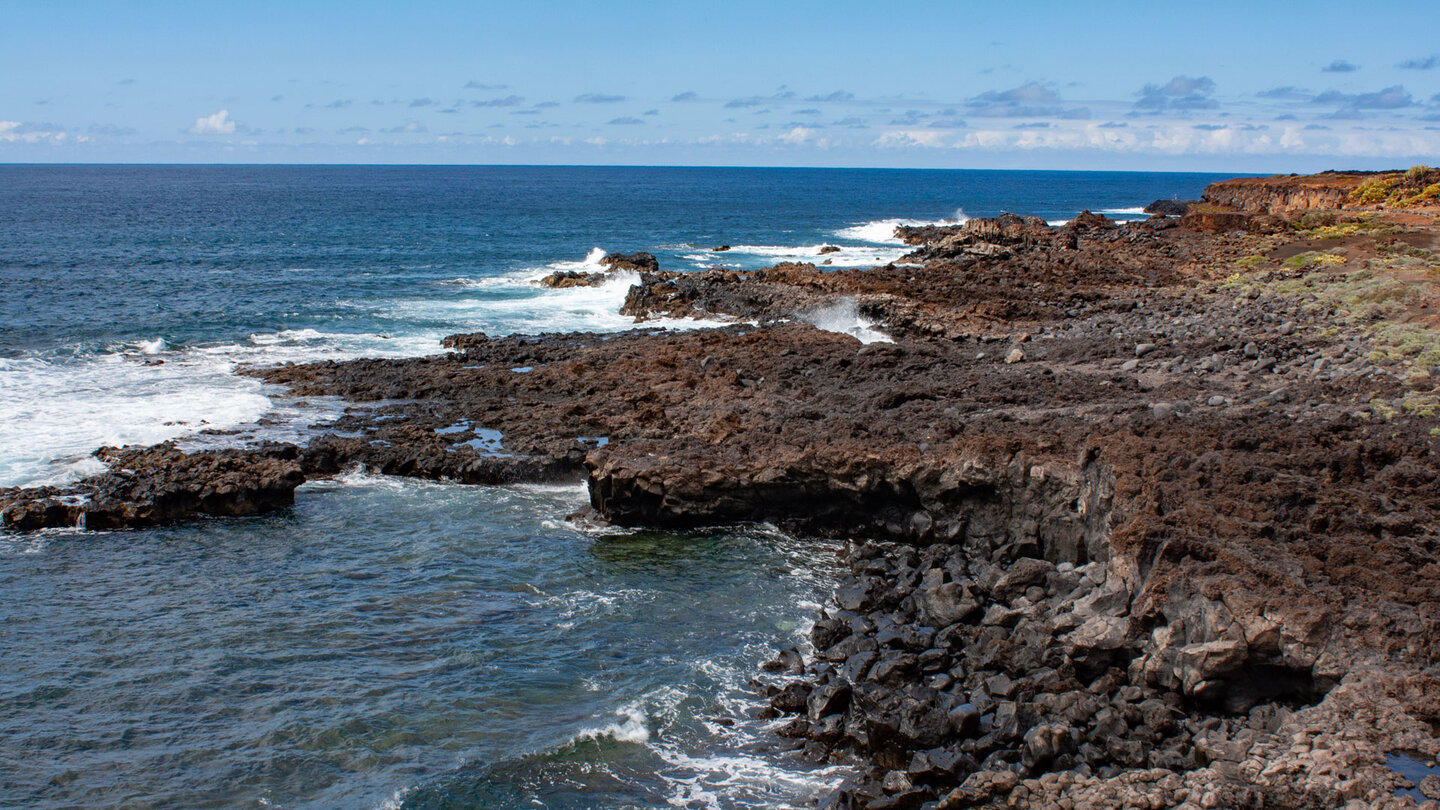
[394, 643]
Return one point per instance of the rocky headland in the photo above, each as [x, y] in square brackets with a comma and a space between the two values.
[1138, 515]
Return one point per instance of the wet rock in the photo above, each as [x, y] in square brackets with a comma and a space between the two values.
[788, 662]
[162, 484]
[639, 262]
[563, 279]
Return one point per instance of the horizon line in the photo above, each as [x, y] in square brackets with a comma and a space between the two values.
[158, 164]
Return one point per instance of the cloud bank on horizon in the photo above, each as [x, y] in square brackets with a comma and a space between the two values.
[848, 84]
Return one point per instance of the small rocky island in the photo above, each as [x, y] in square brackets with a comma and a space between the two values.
[1138, 514]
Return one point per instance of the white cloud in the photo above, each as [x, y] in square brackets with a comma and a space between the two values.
[217, 124]
[911, 137]
[797, 135]
[13, 131]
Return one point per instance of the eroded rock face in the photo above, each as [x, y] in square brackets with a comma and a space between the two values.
[1286, 194]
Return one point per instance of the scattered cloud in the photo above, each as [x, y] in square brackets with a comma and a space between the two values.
[546, 105]
[508, 101]
[626, 121]
[1340, 66]
[474, 85]
[110, 130]
[217, 124]
[1029, 100]
[1390, 98]
[900, 138]
[25, 132]
[406, 129]
[797, 135]
[1113, 125]
[1181, 93]
[303, 130]
[423, 102]
[277, 98]
[688, 95]
[837, 97]
[651, 112]
[1427, 63]
[597, 98]
[125, 82]
[337, 104]
[1034, 125]
[736, 103]
[1029, 93]
[1287, 93]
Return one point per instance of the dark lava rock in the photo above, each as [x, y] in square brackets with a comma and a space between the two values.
[1170, 208]
[162, 484]
[640, 262]
[562, 279]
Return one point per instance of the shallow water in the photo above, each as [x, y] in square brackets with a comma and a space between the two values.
[429, 645]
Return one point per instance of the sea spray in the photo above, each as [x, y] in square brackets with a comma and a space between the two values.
[844, 316]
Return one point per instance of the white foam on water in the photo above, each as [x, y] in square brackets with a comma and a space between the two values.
[709, 779]
[882, 231]
[1136, 211]
[844, 316]
[846, 256]
[634, 728]
[396, 800]
[53, 415]
[518, 306]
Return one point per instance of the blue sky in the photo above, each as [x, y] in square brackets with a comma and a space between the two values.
[1216, 86]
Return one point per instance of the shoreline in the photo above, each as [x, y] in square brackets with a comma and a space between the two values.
[1132, 481]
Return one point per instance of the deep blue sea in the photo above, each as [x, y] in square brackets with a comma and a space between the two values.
[391, 643]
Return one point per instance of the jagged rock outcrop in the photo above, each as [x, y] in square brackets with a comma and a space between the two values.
[640, 262]
[1170, 208]
[563, 279]
[146, 486]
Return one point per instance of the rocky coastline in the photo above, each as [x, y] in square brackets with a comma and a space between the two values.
[1137, 515]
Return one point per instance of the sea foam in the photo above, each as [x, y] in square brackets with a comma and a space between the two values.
[844, 317]
[882, 231]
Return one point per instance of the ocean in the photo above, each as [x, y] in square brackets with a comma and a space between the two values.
[396, 643]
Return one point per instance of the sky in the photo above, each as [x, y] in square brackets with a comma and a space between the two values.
[1216, 86]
